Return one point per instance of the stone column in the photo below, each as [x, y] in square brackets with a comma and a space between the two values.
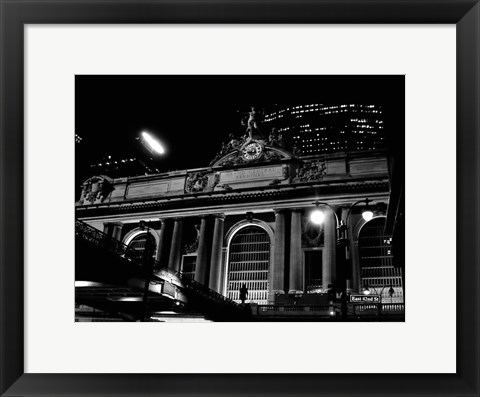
[354, 254]
[161, 244]
[216, 260]
[296, 259]
[201, 269]
[113, 230]
[278, 265]
[174, 260]
[117, 231]
[329, 248]
[107, 229]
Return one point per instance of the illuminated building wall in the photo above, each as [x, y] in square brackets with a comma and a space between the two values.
[316, 128]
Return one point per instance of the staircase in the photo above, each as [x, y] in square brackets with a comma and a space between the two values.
[199, 298]
[213, 304]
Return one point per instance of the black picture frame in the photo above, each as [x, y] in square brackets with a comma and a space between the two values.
[15, 14]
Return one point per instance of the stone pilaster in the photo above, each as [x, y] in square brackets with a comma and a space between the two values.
[176, 247]
[216, 260]
[201, 266]
[296, 259]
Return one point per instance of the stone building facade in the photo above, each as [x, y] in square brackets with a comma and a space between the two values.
[245, 219]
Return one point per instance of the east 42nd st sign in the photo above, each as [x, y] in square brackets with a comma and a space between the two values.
[364, 298]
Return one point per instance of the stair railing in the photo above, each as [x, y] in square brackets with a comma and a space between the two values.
[101, 239]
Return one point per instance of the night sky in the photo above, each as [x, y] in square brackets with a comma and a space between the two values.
[192, 115]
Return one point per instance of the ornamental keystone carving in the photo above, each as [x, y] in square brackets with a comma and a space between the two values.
[196, 182]
[96, 189]
[311, 171]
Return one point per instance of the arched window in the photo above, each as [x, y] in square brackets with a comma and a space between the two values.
[249, 263]
[138, 243]
[377, 272]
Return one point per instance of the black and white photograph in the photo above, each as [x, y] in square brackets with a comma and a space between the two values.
[240, 198]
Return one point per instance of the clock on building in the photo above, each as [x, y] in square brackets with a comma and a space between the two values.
[252, 151]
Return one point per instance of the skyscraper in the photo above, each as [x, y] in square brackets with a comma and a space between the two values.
[319, 128]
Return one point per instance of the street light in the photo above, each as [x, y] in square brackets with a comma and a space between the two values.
[367, 213]
[317, 217]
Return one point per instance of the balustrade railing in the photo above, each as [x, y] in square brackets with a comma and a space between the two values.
[383, 308]
[353, 311]
[281, 308]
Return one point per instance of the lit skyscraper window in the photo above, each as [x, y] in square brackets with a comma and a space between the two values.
[320, 128]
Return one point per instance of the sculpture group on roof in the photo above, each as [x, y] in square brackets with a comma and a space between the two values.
[276, 138]
[252, 122]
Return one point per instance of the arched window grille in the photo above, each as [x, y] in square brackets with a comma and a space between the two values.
[138, 244]
[249, 263]
[376, 262]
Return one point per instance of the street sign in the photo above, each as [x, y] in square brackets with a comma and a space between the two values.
[364, 298]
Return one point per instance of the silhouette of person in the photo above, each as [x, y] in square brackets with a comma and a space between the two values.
[243, 293]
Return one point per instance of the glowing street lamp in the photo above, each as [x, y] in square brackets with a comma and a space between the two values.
[152, 144]
[317, 216]
[367, 213]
